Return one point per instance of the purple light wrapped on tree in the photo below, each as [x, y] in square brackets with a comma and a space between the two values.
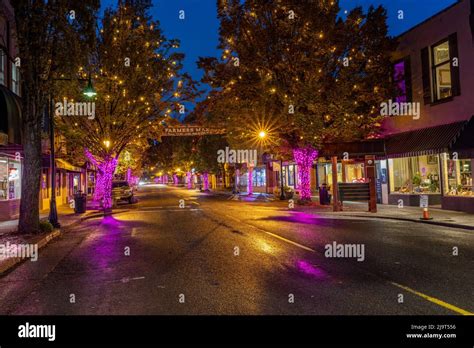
[105, 175]
[205, 181]
[189, 177]
[129, 175]
[250, 180]
[175, 179]
[304, 158]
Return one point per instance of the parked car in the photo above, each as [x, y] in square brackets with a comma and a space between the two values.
[121, 191]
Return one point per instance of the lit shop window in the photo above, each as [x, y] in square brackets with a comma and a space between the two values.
[458, 177]
[3, 178]
[441, 71]
[414, 175]
[45, 184]
[258, 177]
[10, 179]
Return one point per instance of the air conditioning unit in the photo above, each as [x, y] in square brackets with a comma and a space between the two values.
[3, 139]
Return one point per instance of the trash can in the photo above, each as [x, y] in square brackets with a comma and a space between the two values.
[324, 198]
[80, 201]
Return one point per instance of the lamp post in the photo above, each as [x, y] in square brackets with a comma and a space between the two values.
[282, 193]
[53, 211]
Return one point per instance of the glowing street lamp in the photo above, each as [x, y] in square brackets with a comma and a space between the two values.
[262, 134]
[107, 143]
[89, 91]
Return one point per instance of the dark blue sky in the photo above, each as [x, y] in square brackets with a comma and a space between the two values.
[198, 31]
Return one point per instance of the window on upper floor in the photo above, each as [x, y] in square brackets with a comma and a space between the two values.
[15, 79]
[3, 65]
[402, 80]
[440, 70]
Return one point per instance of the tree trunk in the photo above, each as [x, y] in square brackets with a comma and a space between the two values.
[31, 175]
[304, 158]
[108, 168]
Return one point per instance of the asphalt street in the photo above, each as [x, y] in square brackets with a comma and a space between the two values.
[180, 251]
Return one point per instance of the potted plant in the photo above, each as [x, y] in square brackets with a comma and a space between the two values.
[289, 192]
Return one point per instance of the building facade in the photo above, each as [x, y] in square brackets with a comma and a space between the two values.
[431, 153]
[11, 154]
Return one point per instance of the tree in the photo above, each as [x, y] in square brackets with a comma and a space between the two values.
[137, 76]
[52, 37]
[300, 71]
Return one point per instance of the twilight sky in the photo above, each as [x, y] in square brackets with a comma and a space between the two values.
[198, 31]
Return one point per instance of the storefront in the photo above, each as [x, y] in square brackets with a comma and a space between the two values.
[350, 163]
[10, 186]
[425, 162]
[347, 171]
[457, 167]
[412, 176]
[69, 180]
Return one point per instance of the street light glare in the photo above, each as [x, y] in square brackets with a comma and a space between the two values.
[89, 91]
[90, 94]
[262, 134]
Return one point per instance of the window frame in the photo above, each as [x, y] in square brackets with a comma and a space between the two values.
[406, 78]
[3, 69]
[433, 68]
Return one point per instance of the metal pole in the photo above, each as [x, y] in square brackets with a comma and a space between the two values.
[53, 212]
[282, 193]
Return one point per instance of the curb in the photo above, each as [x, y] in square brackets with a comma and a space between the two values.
[9, 263]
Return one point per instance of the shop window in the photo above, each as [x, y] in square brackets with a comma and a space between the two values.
[258, 177]
[10, 179]
[14, 179]
[45, 184]
[3, 178]
[458, 177]
[414, 175]
[441, 71]
[291, 175]
[58, 184]
[76, 183]
[354, 172]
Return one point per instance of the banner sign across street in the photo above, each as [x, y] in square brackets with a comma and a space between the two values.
[183, 131]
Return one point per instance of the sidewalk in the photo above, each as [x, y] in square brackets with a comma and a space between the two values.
[439, 216]
[66, 218]
[16, 248]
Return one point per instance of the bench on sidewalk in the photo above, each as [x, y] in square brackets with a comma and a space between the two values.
[355, 192]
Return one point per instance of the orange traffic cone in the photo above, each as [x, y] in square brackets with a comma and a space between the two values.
[426, 214]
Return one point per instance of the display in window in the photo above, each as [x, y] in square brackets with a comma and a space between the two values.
[415, 175]
[459, 178]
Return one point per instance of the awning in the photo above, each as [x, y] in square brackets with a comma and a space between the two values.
[60, 164]
[11, 150]
[425, 141]
[464, 145]
[356, 149]
[10, 121]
